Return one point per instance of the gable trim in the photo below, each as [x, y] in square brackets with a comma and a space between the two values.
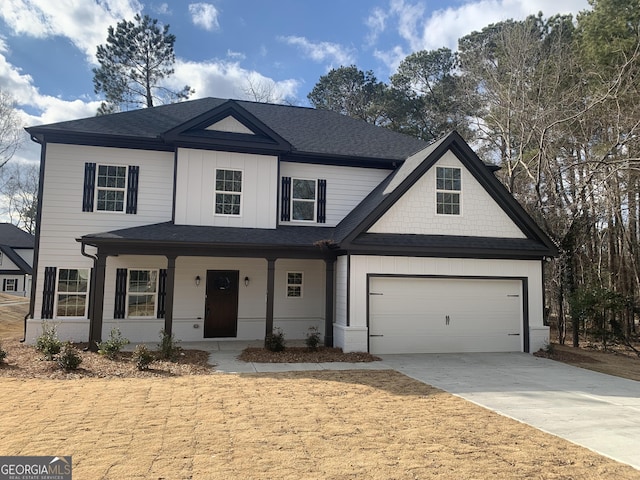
[478, 170]
[195, 132]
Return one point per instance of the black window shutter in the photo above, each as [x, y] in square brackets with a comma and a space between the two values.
[120, 305]
[285, 198]
[132, 189]
[162, 292]
[48, 292]
[89, 187]
[322, 201]
[4, 284]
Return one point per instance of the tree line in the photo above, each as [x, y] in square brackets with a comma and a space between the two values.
[555, 102]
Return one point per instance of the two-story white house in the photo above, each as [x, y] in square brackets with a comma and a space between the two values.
[16, 260]
[222, 219]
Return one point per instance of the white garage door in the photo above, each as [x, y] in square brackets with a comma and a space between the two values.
[436, 315]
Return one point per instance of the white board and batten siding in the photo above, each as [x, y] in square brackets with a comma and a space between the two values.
[346, 186]
[195, 188]
[415, 211]
[362, 268]
[62, 217]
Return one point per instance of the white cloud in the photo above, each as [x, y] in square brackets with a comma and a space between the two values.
[204, 15]
[442, 28]
[235, 55]
[161, 9]
[376, 21]
[333, 53]
[391, 58]
[226, 80]
[83, 22]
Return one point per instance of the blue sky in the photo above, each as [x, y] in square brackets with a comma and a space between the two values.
[47, 47]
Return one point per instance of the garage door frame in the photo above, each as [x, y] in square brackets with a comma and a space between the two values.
[525, 296]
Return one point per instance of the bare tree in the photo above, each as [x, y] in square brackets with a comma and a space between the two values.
[11, 134]
[19, 187]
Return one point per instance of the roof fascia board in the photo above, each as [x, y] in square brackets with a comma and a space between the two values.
[444, 252]
[341, 161]
[93, 140]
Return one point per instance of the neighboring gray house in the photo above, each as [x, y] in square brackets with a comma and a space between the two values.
[221, 219]
[16, 260]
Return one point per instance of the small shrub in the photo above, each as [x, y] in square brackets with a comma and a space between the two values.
[275, 340]
[313, 338]
[3, 353]
[549, 348]
[113, 344]
[69, 358]
[48, 342]
[143, 357]
[168, 348]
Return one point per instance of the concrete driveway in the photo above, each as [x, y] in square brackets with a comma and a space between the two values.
[597, 411]
[592, 409]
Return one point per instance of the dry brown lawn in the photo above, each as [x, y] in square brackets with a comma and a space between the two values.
[297, 425]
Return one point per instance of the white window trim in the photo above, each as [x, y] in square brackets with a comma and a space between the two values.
[315, 200]
[1, 257]
[459, 192]
[14, 283]
[216, 192]
[86, 303]
[301, 285]
[155, 302]
[97, 188]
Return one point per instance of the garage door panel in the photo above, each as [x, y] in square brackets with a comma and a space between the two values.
[436, 315]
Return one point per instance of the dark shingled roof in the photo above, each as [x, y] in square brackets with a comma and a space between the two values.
[12, 236]
[309, 131]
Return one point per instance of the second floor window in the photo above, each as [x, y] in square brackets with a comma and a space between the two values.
[111, 188]
[448, 189]
[228, 192]
[303, 200]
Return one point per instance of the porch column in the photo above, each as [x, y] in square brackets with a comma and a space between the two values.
[97, 302]
[328, 302]
[168, 300]
[271, 275]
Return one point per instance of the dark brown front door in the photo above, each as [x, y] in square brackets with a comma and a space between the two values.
[221, 304]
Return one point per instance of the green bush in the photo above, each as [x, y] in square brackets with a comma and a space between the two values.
[113, 344]
[275, 340]
[313, 338]
[3, 353]
[143, 357]
[168, 348]
[48, 342]
[69, 358]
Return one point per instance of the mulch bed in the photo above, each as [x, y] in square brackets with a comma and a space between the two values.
[304, 355]
[24, 361]
[564, 356]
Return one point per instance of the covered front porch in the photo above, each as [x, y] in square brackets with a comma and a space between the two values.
[212, 291]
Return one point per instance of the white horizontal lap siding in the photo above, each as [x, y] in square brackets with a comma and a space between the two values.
[415, 211]
[195, 188]
[346, 186]
[63, 220]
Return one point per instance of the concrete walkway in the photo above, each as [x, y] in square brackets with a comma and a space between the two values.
[598, 411]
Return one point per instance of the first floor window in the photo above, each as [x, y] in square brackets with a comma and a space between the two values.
[72, 292]
[142, 288]
[228, 192]
[111, 188]
[448, 188]
[10, 285]
[303, 199]
[294, 284]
